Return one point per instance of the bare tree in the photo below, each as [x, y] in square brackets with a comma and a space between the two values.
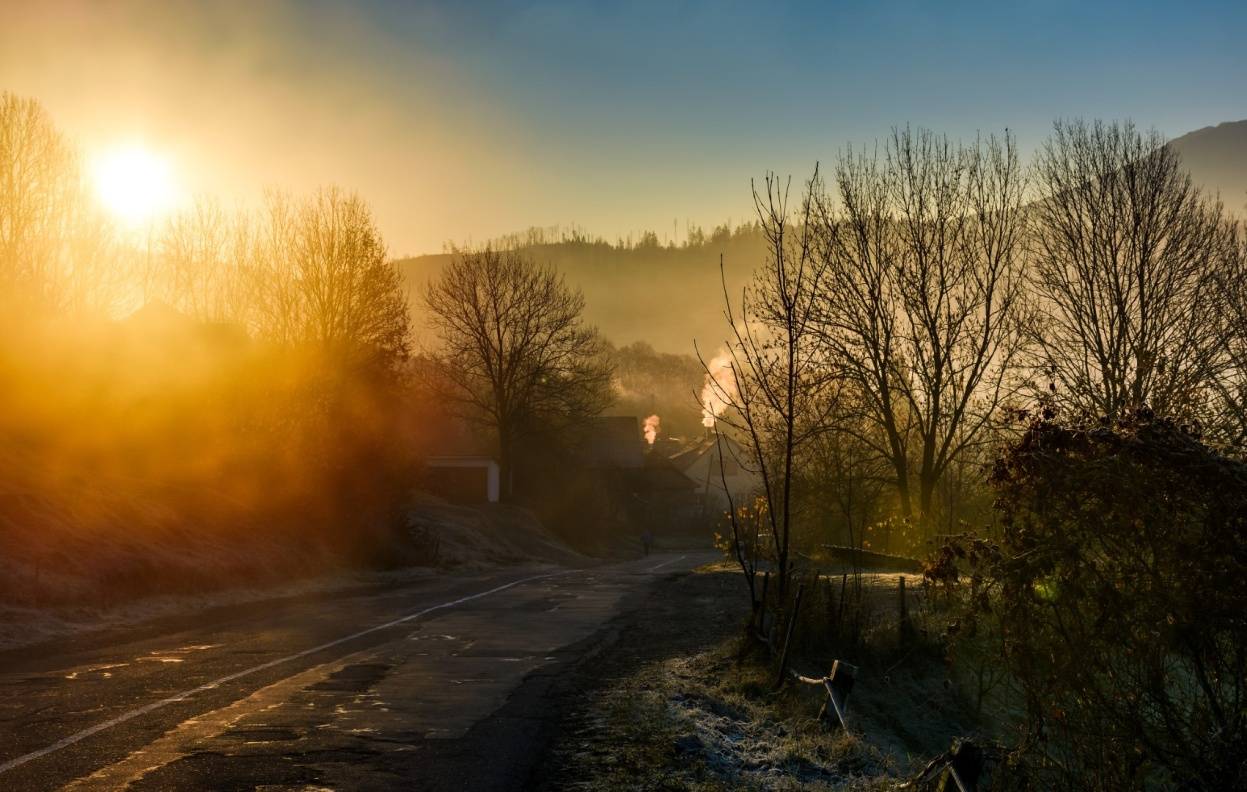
[1228, 417]
[54, 245]
[266, 247]
[922, 297]
[514, 346]
[842, 477]
[1126, 254]
[773, 398]
[38, 167]
[318, 273]
[199, 273]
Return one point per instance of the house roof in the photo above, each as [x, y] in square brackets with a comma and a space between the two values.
[659, 474]
[160, 325]
[458, 460]
[685, 459]
[612, 441]
[449, 436]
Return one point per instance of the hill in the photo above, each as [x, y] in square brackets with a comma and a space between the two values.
[668, 296]
[664, 295]
[1217, 159]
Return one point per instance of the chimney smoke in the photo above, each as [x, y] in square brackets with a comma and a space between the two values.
[719, 388]
[651, 427]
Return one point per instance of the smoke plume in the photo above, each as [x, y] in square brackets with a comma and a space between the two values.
[651, 428]
[720, 386]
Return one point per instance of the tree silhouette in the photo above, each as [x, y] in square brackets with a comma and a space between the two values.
[515, 350]
[923, 295]
[1126, 253]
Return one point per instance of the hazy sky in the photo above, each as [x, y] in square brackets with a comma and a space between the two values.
[460, 121]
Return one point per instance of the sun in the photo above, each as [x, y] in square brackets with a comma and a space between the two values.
[134, 183]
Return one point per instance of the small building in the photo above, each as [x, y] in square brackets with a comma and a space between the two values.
[611, 443]
[637, 486]
[607, 452]
[700, 463]
[665, 498]
[463, 478]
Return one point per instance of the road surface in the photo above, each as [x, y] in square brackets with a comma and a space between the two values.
[448, 683]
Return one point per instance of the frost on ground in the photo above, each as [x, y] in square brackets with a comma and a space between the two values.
[740, 737]
[676, 705]
[24, 625]
[706, 723]
[473, 536]
[49, 601]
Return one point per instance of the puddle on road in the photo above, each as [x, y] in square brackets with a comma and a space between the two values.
[172, 655]
[261, 734]
[104, 670]
[448, 645]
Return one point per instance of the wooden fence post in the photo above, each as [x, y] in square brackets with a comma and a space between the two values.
[792, 623]
[832, 625]
[839, 683]
[762, 631]
[963, 770]
[753, 599]
[906, 627]
[844, 582]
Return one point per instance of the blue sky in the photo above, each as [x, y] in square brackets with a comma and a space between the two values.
[461, 121]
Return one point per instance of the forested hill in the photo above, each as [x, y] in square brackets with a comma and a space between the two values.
[668, 295]
[664, 295]
[1216, 156]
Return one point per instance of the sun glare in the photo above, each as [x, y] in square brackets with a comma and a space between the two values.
[134, 183]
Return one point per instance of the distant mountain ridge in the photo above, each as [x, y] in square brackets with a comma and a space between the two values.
[1216, 156]
[669, 296]
[666, 296]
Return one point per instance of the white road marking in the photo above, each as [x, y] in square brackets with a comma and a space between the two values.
[172, 745]
[155, 705]
[652, 569]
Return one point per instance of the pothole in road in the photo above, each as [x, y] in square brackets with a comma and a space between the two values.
[104, 670]
[501, 653]
[261, 735]
[353, 678]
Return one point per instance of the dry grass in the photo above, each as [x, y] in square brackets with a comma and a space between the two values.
[708, 723]
[679, 706]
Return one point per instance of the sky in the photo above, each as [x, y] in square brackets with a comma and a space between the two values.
[461, 121]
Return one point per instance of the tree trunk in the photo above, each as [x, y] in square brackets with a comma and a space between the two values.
[926, 495]
[506, 463]
[902, 487]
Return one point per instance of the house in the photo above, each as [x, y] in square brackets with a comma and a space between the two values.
[595, 482]
[592, 483]
[462, 478]
[700, 462]
[663, 497]
[608, 451]
[459, 465]
[640, 485]
[611, 443]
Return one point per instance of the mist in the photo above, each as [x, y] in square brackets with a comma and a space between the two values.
[550, 395]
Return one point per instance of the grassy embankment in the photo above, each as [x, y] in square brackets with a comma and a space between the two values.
[684, 702]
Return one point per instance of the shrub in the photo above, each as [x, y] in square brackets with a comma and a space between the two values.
[1121, 598]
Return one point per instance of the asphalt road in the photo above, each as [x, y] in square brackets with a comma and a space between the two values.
[448, 683]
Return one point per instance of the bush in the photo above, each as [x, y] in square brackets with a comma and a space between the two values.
[1120, 593]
